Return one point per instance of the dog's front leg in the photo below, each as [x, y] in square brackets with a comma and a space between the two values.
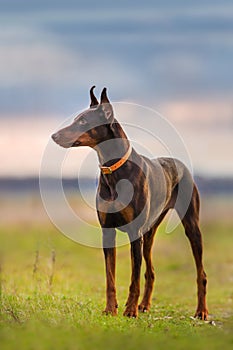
[109, 247]
[134, 289]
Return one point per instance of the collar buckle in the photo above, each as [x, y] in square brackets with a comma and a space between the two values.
[106, 170]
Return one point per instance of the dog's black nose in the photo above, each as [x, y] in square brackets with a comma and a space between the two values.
[55, 136]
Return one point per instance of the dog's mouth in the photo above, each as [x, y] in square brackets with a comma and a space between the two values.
[76, 144]
[68, 144]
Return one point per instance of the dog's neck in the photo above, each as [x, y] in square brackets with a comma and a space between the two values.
[113, 148]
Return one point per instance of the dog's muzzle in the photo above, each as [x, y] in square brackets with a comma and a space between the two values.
[58, 139]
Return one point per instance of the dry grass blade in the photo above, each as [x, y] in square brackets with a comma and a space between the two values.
[52, 270]
[36, 262]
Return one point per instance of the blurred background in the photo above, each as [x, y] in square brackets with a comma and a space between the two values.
[174, 57]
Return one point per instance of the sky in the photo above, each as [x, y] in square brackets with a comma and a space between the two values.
[172, 56]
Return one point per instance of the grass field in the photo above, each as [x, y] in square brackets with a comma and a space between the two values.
[53, 291]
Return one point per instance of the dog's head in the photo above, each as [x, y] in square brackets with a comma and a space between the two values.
[90, 127]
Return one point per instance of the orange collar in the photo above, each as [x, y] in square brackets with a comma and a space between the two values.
[107, 170]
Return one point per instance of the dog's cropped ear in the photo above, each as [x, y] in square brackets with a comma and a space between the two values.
[106, 106]
[94, 101]
[104, 97]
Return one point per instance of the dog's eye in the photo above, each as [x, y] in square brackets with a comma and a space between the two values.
[82, 121]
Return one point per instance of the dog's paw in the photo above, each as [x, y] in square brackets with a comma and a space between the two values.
[110, 310]
[202, 314]
[131, 312]
[144, 307]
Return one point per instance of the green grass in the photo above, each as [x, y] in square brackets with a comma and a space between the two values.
[47, 304]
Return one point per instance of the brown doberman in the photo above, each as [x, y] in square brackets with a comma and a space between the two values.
[134, 194]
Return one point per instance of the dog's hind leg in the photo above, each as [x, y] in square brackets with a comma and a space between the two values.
[149, 274]
[190, 222]
[109, 236]
[134, 289]
[148, 239]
